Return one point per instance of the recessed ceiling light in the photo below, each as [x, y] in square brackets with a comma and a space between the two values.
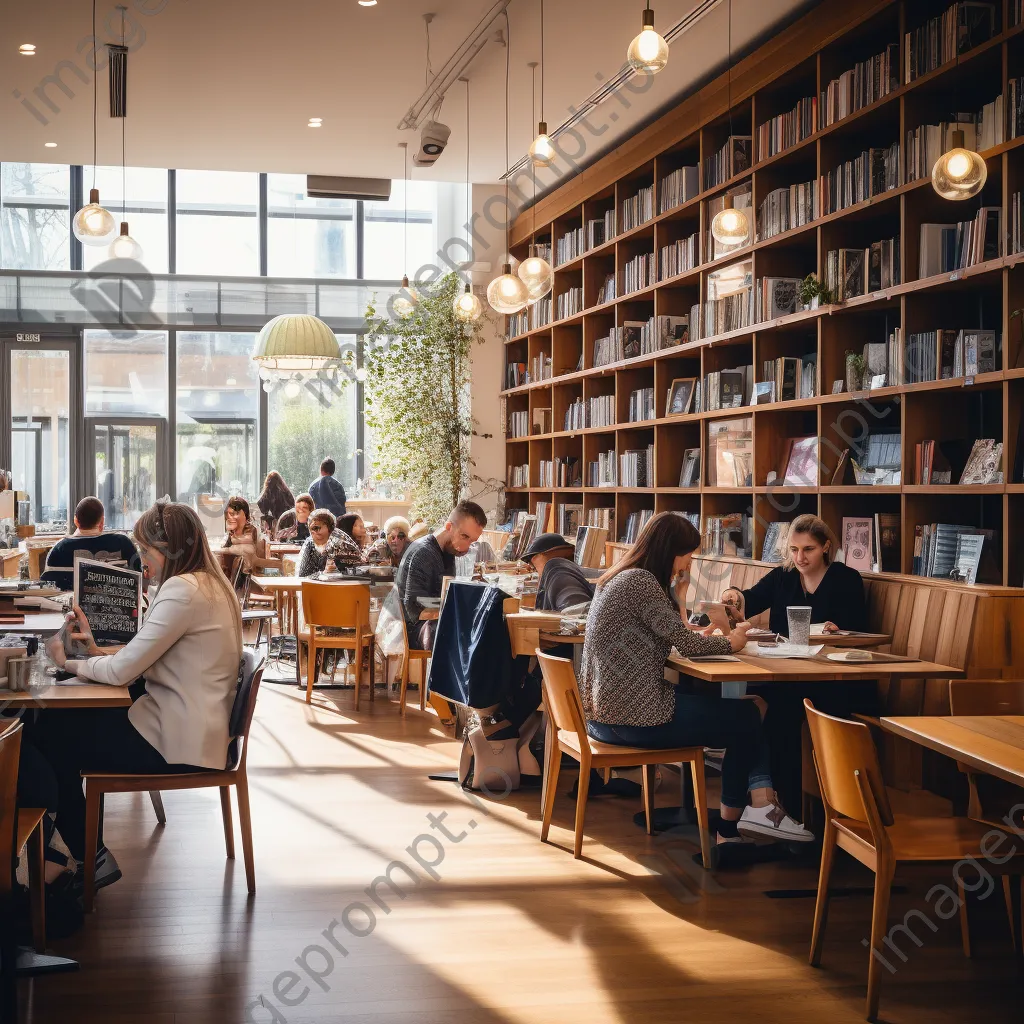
[27, 49]
[367, 3]
[315, 120]
[314, 124]
[50, 145]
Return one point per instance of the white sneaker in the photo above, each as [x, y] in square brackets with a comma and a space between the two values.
[772, 822]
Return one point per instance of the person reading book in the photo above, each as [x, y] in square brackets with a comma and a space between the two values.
[562, 583]
[186, 654]
[810, 575]
[89, 540]
[635, 620]
[294, 524]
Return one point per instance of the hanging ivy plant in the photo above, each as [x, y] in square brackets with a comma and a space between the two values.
[418, 401]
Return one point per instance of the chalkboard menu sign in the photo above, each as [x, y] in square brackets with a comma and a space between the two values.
[111, 599]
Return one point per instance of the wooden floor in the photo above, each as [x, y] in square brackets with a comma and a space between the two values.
[510, 931]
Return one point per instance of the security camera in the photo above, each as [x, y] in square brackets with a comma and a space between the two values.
[433, 138]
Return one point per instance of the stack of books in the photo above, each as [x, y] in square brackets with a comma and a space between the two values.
[641, 405]
[678, 257]
[786, 208]
[728, 389]
[576, 416]
[607, 292]
[601, 518]
[601, 411]
[947, 247]
[730, 534]
[640, 272]
[635, 522]
[785, 130]
[638, 209]
[732, 159]
[789, 378]
[942, 549]
[519, 323]
[864, 83]
[540, 367]
[601, 473]
[518, 476]
[599, 230]
[852, 272]
[540, 312]
[519, 424]
[569, 520]
[677, 188]
[570, 302]
[875, 171]
[567, 472]
[516, 375]
[636, 467]
[727, 314]
[569, 246]
[546, 473]
[959, 28]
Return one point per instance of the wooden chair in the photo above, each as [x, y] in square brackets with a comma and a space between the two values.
[98, 784]
[859, 820]
[337, 606]
[410, 655]
[569, 735]
[28, 831]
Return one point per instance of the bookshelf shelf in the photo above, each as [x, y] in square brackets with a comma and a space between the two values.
[801, 62]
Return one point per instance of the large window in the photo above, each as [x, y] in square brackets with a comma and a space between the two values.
[308, 237]
[145, 209]
[35, 216]
[308, 423]
[217, 223]
[218, 408]
[126, 373]
[387, 253]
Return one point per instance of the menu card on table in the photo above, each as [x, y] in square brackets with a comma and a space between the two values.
[111, 599]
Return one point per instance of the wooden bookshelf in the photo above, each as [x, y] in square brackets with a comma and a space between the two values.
[798, 62]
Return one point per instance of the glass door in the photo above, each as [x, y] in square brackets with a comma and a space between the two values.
[126, 466]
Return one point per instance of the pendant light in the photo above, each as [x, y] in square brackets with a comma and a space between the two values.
[730, 226]
[959, 173]
[123, 247]
[93, 225]
[507, 294]
[467, 307]
[406, 298]
[648, 52]
[535, 271]
[542, 150]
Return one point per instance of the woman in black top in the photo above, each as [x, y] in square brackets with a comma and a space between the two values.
[809, 576]
[276, 498]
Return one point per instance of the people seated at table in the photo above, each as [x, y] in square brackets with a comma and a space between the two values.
[429, 560]
[89, 540]
[275, 499]
[293, 525]
[392, 545]
[562, 584]
[241, 538]
[187, 650]
[349, 539]
[327, 492]
[636, 618]
[810, 575]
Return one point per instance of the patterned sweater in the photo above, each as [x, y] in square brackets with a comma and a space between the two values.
[631, 628]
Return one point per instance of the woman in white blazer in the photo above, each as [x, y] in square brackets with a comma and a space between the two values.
[187, 651]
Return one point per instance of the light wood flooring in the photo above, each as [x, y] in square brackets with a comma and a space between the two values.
[511, 931]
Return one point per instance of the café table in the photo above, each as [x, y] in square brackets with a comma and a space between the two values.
[41, 623]
[67, 694]
[993, 744]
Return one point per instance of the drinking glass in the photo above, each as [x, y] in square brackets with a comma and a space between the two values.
[799, 624]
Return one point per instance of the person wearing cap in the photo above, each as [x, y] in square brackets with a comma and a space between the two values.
[392, 544]
[563, 584]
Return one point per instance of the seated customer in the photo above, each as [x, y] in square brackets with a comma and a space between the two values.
[349, 537]
[809, 576]
[429, 560]
[563, 584]
[390, 548]
[635, 620]
[88, 541]
[318, 548]
[294, 524]
[243, 539]
[188, 650]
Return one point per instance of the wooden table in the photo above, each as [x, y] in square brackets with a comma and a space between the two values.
[67, 695]
[43, 623]
[277, 548]
[10, 559]
[38, 547]
[991, 743]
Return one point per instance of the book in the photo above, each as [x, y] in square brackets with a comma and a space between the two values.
[856, 541]
[887, 541]
[689, 473]
[967, 559]
[111, 598]
[985, 463]
[801, 462]
[776, 536]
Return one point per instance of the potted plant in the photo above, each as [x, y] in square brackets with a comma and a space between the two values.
[856, 364]
[813, 293]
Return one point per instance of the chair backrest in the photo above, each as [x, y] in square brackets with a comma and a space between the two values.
[562, 696]
[986, 697]
[250, 675]
[336, 604]
[842, 749]
[10, 751]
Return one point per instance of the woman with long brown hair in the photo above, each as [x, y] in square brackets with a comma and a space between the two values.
[187, 652]
[276, 497]
[636, 618]
[242, 538]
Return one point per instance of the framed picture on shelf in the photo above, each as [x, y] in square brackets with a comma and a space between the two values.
[680, 396]
[838, 387]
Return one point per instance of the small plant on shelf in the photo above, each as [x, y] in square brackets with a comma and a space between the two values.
[856, 364]
[813, 293]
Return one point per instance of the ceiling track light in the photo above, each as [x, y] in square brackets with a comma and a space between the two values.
[648, 52]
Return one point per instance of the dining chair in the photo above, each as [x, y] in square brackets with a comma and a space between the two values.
[860, 820]
[337, 617]
[568, 734]
[97, 784]
[27, 823]
[409, 655]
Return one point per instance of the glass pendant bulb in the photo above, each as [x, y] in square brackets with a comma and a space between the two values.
[536, 273]
[729, 226]
[406, 299]
[507, 293]
[542, 149]
[92, 224]
[959, 173]
[648, 51]
[124, 247]
[467, 307]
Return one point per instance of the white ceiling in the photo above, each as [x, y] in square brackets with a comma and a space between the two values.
[230, 84]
